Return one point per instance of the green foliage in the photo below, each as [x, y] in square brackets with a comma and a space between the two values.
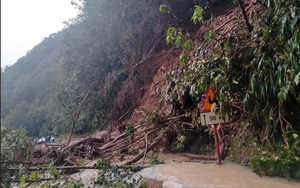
[155, 161]
[43, 88]
[110, 176]
[59, 179]
[171, 35]
[14, 145]
[184, 59]
[162, 8]
[22, 180]
[74, 184]
[143, 185]
[129, 130]
[96, 57]
[187, 45]
[179, 40]
[25, 87]
[34, 175]
[198, 14]
[209, 35]
[272, 62]
[179, 143]
[57, 174]
[278, 160]
[152, 117]
[175, 36]
[244, 144]
[257, 82]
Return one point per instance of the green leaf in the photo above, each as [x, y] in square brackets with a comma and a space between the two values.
[209, 36]
[297, 158]
[22, 180]
[183, 58]
[171, 35]
[33, 176]
[295, 135]
[296, 80]
[198, 14]
[162, 8]
[179, 41]
[187, 45]
[235, 82]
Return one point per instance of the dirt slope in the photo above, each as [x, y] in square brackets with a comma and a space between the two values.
[151, 75]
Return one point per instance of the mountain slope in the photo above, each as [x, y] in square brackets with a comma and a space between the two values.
[26, 85]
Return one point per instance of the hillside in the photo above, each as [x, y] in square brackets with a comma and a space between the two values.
[26, 86]
[151, 64]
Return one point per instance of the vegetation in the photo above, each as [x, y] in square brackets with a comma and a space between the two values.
[109, 176]
[256, 78]
[26, 89]
[155, 161]
[51, 176]
[14, 145]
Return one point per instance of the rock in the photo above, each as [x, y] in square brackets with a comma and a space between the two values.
[151, 183]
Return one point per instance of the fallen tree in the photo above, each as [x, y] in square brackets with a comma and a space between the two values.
[139, 156]
[200, 157]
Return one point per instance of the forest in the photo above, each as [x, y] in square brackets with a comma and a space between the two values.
[122, 64]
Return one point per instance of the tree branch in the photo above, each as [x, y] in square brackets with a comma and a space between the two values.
[249, 26]
[76, 115]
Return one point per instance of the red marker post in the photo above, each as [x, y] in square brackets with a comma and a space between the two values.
[217, 145]
[208, 116]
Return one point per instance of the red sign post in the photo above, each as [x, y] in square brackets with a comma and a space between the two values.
[217, 145]
[206, 107]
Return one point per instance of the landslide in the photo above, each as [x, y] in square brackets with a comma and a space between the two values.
[143, 89]
[157, 105]
[263, 131]
[140, 107]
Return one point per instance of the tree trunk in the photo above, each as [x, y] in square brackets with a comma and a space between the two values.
[139, 156]
[76, 115]
[201, 157]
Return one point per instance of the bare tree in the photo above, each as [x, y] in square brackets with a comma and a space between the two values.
[76, 114]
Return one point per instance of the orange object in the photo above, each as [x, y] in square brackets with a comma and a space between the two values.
[206, 106]
[217, 145]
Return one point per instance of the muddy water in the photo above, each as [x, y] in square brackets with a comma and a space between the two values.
[199, 175]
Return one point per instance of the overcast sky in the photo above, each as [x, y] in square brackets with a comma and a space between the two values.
[25, 22]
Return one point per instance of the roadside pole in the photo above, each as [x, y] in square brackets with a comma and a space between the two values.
[217, 145]
[208, 116]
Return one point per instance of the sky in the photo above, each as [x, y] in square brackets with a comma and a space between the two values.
[24, 24]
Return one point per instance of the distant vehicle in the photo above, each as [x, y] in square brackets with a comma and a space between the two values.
[41, 140]
[47, 138]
